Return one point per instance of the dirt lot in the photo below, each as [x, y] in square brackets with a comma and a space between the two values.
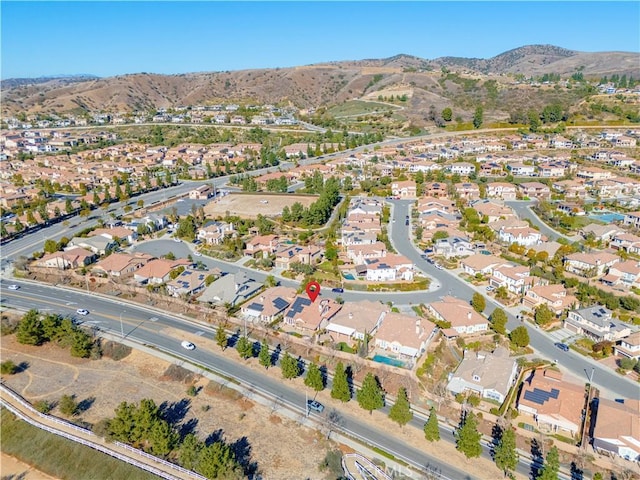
[13, 469]
[249, 206]
[52, 372]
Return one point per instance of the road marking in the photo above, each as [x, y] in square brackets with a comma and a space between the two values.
[153, 319]
[199, 333]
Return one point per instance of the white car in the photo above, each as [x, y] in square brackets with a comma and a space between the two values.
[188, 345]
[13, 287]
[197, 254]
[82, 311]
[177, 240]
[439, 267]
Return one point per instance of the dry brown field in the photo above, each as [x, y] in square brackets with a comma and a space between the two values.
[247, 205]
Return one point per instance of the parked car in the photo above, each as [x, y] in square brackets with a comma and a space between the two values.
[13, 287]
[438, 266]
[197, 254]
[562, 346]
[82, 311]
[338, 290]
[188, 345]
[490, 288]
[315, 406]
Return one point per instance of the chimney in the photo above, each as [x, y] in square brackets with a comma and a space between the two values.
[350, 315]
[469, 315]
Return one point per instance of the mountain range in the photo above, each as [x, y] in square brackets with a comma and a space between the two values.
[446, 81]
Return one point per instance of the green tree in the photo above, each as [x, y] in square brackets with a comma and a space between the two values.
[519, 336]
[8, 367]
[30, 329]
[544, 315]
[370, 396]
[190, 451]
[314, 378]
[478, 117]
[431, 429]
[468, 437]
[506, 455]
[121, 426]
[551, 466]
[68, 405]
[221, 337]
[447, 114]
[289, 366]
[218, 461]
[81, 344]
[401, 412]
[499, 321]
[264, 357]
[50, 246]
[478, 302]
[340, 389]
[163, 438]
[244, 347]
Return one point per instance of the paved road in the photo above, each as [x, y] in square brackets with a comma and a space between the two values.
[523, 210]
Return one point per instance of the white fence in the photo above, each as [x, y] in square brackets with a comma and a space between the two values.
[95, 446]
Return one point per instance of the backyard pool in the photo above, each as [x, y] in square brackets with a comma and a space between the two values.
[348, 276]
[608, 217]
[394, 362]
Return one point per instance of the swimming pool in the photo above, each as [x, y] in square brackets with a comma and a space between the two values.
[348, 276]
[394, 362]
[608, 217]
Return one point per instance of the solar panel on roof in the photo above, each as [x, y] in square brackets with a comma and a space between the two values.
[280, 303]
[554, 393]
[255, 306]
[540, 396]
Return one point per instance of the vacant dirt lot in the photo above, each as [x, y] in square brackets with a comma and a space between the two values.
[101, 385]
[249, 206]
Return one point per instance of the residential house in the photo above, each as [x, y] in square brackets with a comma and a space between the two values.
[98, 244]
[534, 190]
[521, 170]
[625, 274]
[503, 190]
[617, 428]
[463, 318]
[570, 188]
[404, 189]
[389, 268]
[214, 233]
[525, 236]
[203, 192]
[308, 316]
[269, 304]
[628, 346]
[554, 405]
[602, 233]
[515, 278]
[116, 233]
[551, 170]
[480, 264]
[435, 189]
[453, 247]
[594, 173]
[121, 264]
[404, 335]
[359, 253]
[158, 271]
[628, 242]
[596, 323]
[261, 245]
[432, 205]
[357, 237]
[553, 296]
[288, 254]
[231, 290]
[72, 258]
[462, 168]
[632, 219]
[467, 190]
[592, 264]
[189, 282]
[486, 374]
[357, 319]
[492, 211]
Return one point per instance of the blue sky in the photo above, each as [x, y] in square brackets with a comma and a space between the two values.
[111, 38]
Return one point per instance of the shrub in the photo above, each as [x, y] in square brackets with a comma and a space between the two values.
[68, 405]
[42, 406]
[8, 367]
[115, 351]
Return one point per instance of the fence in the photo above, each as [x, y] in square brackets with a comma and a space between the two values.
[95, 446]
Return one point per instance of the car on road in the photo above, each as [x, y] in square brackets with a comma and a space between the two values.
[406, 222]
[197, 254]
[82, 311]
[562, 346]
[338, 290]
[177, 240]
[315, 406]
[13, 287]
[188, 345]
[438, 266]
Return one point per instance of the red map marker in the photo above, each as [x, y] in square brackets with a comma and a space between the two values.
[313, 290]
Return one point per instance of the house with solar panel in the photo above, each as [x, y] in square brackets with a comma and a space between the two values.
[309, 317]
[189, 282]
[288, 254]
[269, 304]
[596, 322]
[554, 405]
